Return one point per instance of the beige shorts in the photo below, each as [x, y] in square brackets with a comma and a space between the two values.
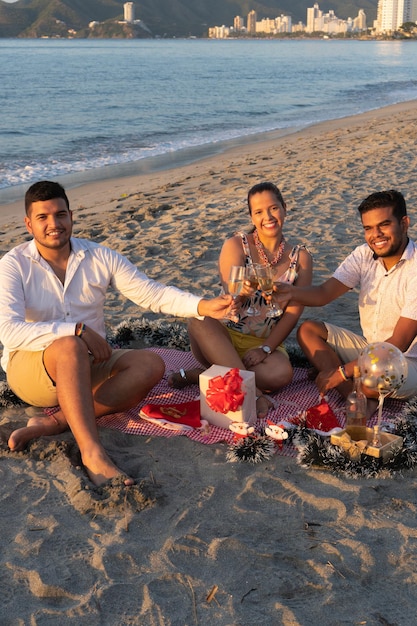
[29, 380]
[349, 345]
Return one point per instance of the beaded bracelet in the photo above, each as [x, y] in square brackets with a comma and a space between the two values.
[342, 372]
[79, 329]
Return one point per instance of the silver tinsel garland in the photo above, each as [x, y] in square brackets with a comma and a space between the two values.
[251, 450]
[315, 451]
[153, 333]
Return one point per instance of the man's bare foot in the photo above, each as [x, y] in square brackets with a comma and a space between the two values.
[184, 378]
[98, 465]
[37, 427]
[263, 404]
[100, 468]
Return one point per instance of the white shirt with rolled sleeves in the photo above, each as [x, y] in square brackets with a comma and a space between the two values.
[384, 296]
[36, 308]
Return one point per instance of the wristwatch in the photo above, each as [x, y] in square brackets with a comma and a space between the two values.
[266, 349]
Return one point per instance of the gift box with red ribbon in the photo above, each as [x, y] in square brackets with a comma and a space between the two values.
[227, 395]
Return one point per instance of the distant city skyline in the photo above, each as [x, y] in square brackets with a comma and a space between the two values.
[317, 21]
[391, 15]
[388, 18]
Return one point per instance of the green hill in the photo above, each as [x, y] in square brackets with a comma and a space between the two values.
[164, 18]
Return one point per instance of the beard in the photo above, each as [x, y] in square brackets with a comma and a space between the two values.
[394, 249]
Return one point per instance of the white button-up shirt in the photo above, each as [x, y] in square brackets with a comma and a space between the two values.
[36, 308]
[384, 296]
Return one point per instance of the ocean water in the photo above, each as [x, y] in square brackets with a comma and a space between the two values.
[83, 110]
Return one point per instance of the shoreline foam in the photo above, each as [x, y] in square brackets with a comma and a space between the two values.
[191, 156]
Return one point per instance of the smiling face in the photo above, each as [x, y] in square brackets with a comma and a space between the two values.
[50, 223]
[384, 234]
[267, 214]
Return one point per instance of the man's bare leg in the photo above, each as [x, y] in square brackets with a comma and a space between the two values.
[36, 427]
[133, 375]
[312, 337]
[132, 378]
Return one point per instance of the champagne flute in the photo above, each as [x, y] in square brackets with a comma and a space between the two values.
[252, 277]
[266, 283]
[376, 441]
[235, 284]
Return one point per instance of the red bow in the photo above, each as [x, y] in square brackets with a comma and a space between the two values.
[225, 393]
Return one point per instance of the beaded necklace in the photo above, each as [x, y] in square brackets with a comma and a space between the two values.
[261, 250]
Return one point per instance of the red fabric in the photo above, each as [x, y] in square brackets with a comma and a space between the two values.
[319, 417]
[184, 413]
[225, 393]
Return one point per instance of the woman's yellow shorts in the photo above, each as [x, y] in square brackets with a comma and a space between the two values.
[242, 343]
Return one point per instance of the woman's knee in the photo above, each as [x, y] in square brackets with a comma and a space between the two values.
[285, 373]
[280, 373]
[194, 327]
[202, 328]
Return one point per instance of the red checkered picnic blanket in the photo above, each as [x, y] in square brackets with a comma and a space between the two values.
[298, 396]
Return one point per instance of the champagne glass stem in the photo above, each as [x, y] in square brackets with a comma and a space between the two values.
[251, 311]
[251, 276]
[376, 440]
[265, 278]
[232, 316]
[273, 310]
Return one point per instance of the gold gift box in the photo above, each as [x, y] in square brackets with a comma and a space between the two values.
[389, 443]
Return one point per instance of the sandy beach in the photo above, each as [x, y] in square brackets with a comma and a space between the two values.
[275, 543]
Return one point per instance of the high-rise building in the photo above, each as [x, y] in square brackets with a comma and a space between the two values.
[314, 16]
[238, 23]
[284, 24]
[393, 13]
[359, 23]
[129, 12]
[410, 11]
[329, 23]
[267, 26]
[252, 22]
[219, 32]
